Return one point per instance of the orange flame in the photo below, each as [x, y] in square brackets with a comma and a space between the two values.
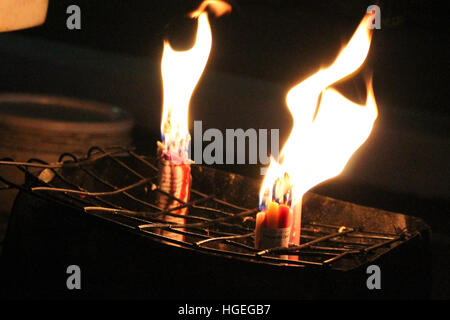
[218, 7]
[328, 128]
[181, 71]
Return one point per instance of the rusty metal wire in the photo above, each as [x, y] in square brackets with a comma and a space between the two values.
[211, 224]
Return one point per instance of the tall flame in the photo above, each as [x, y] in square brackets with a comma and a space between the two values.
[181, 71]
[328, 128]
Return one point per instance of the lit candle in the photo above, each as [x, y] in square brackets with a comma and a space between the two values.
[327, 129]
[273, 226]
[181, 71]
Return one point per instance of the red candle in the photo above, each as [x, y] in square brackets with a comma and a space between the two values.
[285, 214]
[273, 226]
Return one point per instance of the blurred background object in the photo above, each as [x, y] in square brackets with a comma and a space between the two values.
[15, 15]
[20, 14]
[39, 127]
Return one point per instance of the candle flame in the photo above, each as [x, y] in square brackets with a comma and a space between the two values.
[181, 71]
[218, 7]
[328, 128]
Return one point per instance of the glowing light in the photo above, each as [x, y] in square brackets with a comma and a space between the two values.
[328, 128]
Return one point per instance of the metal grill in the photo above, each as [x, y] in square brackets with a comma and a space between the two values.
[120, 186]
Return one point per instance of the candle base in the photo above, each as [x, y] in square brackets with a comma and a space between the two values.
[175, 180]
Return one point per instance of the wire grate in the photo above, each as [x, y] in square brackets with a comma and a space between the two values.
[119, 185]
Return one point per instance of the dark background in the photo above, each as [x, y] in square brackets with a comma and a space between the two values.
[259, 51]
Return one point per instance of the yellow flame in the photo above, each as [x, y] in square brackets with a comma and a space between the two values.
[218, 7]
[181, 71]
[324, 137]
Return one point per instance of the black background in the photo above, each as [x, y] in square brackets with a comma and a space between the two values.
[272, 45]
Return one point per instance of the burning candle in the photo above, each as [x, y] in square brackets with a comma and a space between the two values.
[273, 226]
[181, 71]
[327, 130]
[274, 221]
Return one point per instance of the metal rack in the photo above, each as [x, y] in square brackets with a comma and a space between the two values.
[120, 186]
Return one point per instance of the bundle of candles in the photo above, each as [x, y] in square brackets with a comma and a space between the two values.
[276, 222]
[174, 171]
[327, 130]
[181, 71]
